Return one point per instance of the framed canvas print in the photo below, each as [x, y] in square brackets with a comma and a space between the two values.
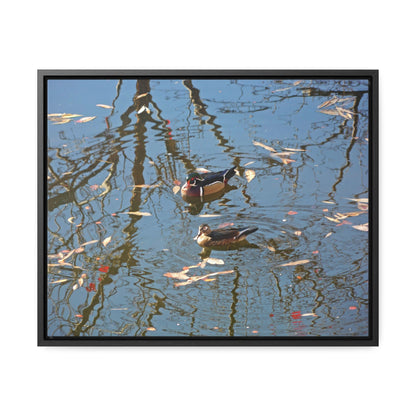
[214, 208]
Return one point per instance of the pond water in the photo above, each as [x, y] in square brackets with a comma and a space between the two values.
[304, 272]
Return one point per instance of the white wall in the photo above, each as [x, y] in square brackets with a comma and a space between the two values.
[215, 34]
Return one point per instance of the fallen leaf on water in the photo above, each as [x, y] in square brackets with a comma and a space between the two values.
[248, 163]
[63, 264]
[282, 89]
[295, 263]
[286, 161]
[104, 269]
[147, 186]
[209, 279]
[343, 222]
[332, 219]
[362, 207]
[363, 200]
[211, 260]
[361, 227]
[225, 224]
[289, 149]
[292, 213]
[249, 174]
[151, 328]
[89, 242]
[71, 220]
[142, 109]
[85, 119]
[209, 215]
[78, 316]
[309, 314]
[62, 121]
[141, 95]
[94, 187]
[299, 277]
[193, 279]
[67, 256]
[79, 250]
[328, 235]
[68, 115]
[281, 154]
[325, 210]
[202, 170]
[176, 182]
[91, 288]
[104, 106]
[176, 189]
[297, 82]
[352, 308]
[298, 233]
[328, 102]
[178, 275]
[106, 241]
[270, 149]
[272, 249]
[55, 115]
[330, 112]
[54, 282]
[143, 214]
[254, 332]
[328, 202]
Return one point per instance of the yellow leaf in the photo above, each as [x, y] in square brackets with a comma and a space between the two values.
[89, 242]
[106, 241]
[289, 149]
[361, 227]
[209, 215]
[71, 220]
[363, 200]
[249, 174]
[85, 119]
[286, 161]
[151, 328]
[62, 121]
[156, 185]
[328, 202]
[270, 149]
[328, 235]
[71, 115]
[331, 219]
[272, 249]
[211, 260]
[104, 106]
[143, 214]
[295, 263]
[298, 233]
[53, 282]
[176, 189]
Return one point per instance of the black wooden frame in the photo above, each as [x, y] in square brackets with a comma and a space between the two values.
[371, 340]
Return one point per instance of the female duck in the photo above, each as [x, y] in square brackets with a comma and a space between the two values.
[221, 237]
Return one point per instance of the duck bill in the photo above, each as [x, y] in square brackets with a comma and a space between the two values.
[197, 236]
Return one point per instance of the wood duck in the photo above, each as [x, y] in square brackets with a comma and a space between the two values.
[200, 184]
[222, 236]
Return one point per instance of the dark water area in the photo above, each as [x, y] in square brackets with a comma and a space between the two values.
[118, 176]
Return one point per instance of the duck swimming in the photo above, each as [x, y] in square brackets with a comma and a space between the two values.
[222, 236]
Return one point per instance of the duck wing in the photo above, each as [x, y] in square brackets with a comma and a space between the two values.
[222, 176]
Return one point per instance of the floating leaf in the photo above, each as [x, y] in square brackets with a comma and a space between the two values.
[328, 202]
[79, 250]
[104, 269]
[282, 89]
[143, 214]
[176, 182]
[71, 220]
[106, 241]
[176, 189]
[330, 112]
[292, 213]
[281, 154]
[142, 109]
[297, 82]
[249, 174]
[329, 102]
[286, 161]
[178, 275]
[270, 149]
[85, 119]
[343, 223]
[361, 206]
[68, 115]
[141, 95]
[329, 234]
[298, 233]
[272, 249]
[89, 242]
[62, 121]
[151, 328]
[352, 308]
[211, 260]
[54, 282]
[156, 185]
[361, 227]
[225, 224]
[248, 163]
[332, 219]
[309, 314]
[104, 106]
[193, 279]
[202, 170]
[295, 263]
[209, 215]
[289, 149]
